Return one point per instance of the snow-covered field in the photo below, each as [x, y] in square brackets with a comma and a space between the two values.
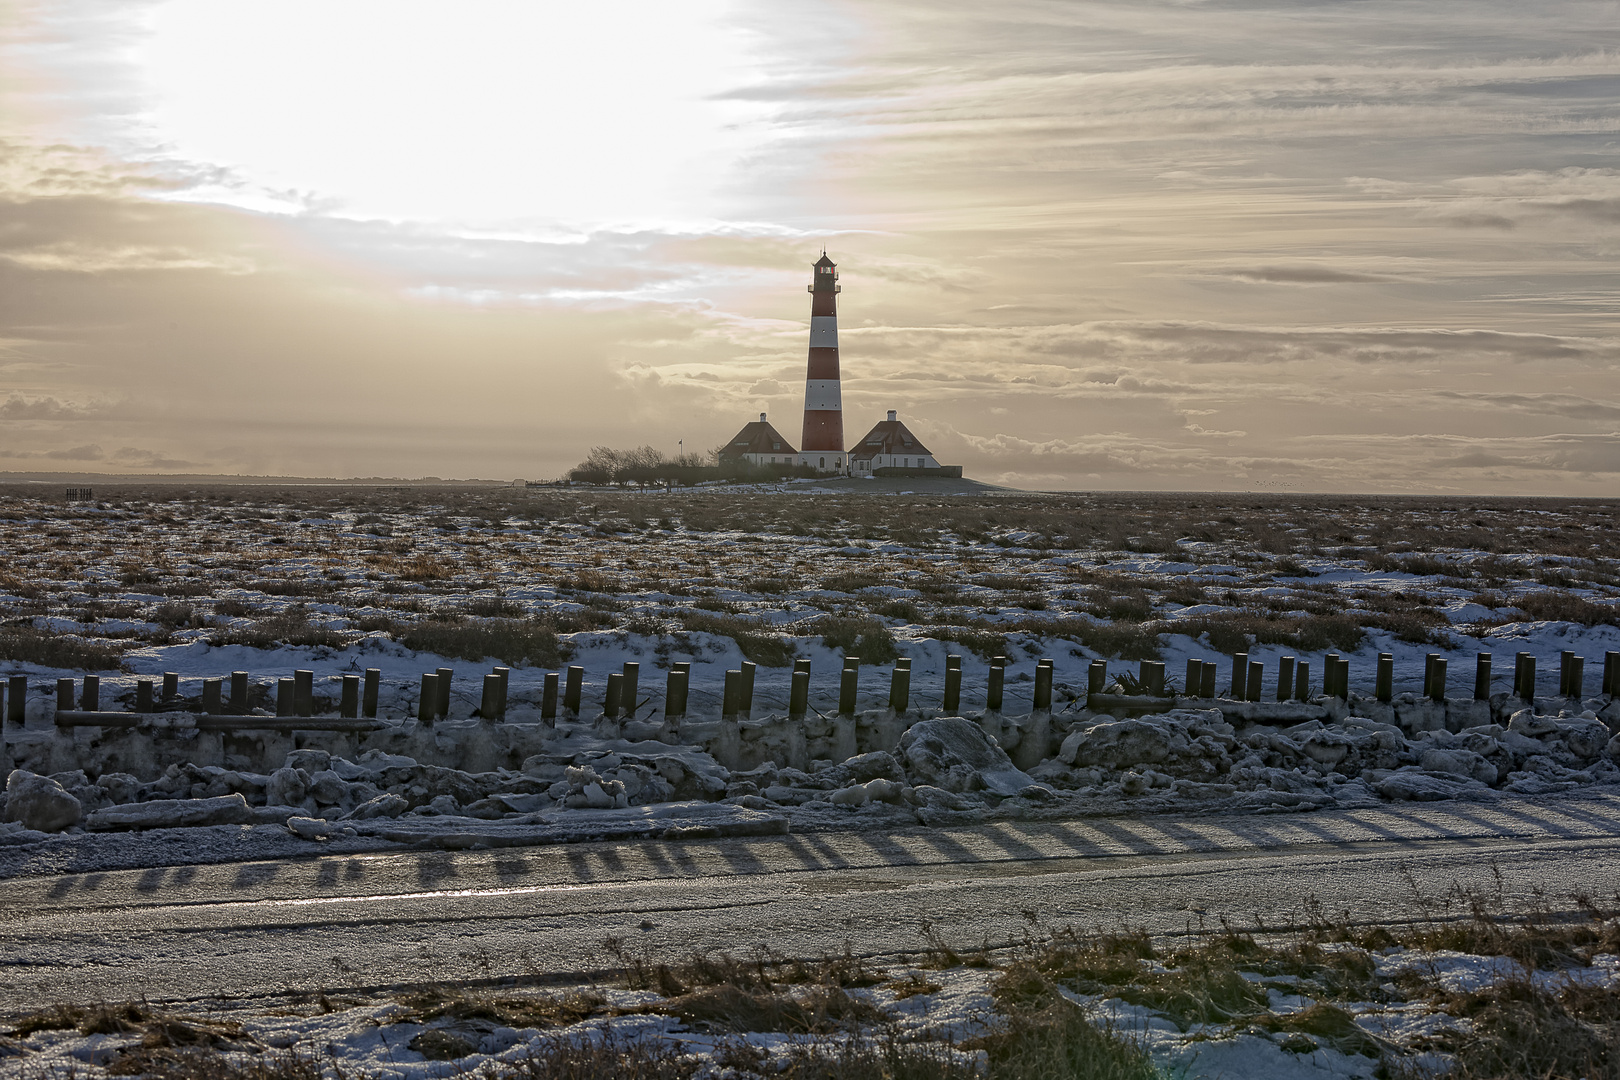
[206, 581]
[203, 582]
[1493, 995]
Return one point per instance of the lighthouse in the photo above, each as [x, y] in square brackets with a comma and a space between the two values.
[822, 447]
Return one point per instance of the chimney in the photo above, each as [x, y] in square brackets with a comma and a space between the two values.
[891, 416]
[762, 418]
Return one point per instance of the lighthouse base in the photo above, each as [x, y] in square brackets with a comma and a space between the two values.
[827, 462]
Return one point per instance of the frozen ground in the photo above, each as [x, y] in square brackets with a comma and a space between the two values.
[272, 944]
[203, 582]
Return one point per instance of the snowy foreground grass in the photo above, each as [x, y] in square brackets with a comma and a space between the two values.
[1460, 988]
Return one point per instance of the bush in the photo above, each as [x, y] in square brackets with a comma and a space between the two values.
[983, 643]
[1233, 632]
[1061, 1041]
[1418, 625]
[27, 645]
[757, 642]
[511, 641]
[1553, 605]
[290, 627]
[1123, 640]
[866, 638]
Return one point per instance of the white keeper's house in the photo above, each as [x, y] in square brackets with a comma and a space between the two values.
[759, 443]
[890, 449]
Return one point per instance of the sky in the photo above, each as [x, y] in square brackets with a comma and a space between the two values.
[1363, 246]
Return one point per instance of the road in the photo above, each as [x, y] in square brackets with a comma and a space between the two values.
[346, 922]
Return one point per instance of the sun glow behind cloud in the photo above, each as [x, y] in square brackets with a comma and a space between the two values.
[484, 113]
[1102, 242]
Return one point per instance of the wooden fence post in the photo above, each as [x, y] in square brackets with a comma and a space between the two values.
[900, 685]
[998, 678]
[505, 676]
[1043, 686]
[1285, 678]
[1482, 677]
[489, 705]
[441, 705]
[573, 690]
[745, 689]
[304, 693]
[427, 703]
[799, 696]
[548, 699]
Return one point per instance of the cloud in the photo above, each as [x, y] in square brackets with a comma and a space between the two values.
[17, 407]
[1085, 245]
[152, 459]
[1567, 405]
[1301, 275]
[96, 259]
[89, 452]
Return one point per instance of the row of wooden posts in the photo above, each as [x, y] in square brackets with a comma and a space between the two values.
[295, 697]
[1293, 677]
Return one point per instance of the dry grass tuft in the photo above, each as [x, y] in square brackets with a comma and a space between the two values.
[752, 635]
[866, 638]
[431, 1003]
[817, 1009]
[48, 649]
[1059, 1042]
[512, 641]
[1557, 606]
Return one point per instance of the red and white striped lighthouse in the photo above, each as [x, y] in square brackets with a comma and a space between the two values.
[822, 447]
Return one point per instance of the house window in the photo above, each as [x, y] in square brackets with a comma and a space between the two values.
[823, 463]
